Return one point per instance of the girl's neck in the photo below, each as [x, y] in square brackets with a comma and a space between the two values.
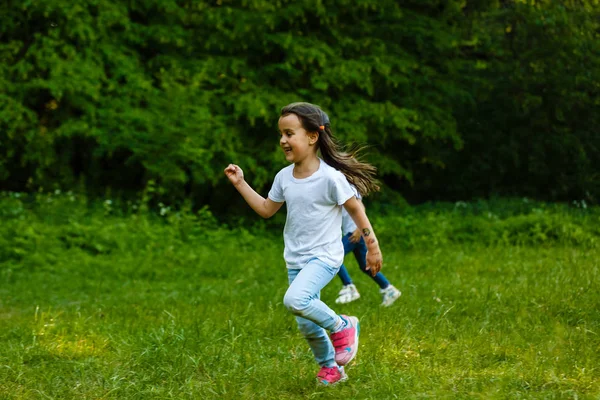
[306, 167]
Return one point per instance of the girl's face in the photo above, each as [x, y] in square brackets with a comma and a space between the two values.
[296, 143]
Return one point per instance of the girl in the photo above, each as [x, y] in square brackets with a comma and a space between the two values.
[314, 190]
[353, 242]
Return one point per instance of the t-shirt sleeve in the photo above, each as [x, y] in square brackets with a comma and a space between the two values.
[341, 190]
[358, 196]
[276, 192]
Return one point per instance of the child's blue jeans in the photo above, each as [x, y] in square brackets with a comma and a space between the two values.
[360, 253]
[314, 317]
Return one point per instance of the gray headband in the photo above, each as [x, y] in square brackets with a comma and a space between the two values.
[324, 118]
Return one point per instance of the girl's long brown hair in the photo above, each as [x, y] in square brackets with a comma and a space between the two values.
[358, 173]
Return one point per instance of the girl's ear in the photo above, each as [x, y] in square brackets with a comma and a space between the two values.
[313, 137]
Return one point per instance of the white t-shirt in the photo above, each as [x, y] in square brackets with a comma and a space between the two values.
[314, 214]
[348, 225]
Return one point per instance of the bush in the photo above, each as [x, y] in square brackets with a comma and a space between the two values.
[508, 222]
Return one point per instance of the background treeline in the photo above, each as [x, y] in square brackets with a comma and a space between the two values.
[457, 99]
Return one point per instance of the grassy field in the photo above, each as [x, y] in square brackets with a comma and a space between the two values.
[96, 304]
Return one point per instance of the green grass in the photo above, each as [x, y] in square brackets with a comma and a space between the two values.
[133, 307]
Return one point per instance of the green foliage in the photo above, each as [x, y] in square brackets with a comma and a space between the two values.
[173, 91]
[517, 223]
[532, 129]
[50, 223]
[109, 95]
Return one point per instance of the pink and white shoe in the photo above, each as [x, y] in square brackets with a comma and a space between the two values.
[329, 376]
[345, 341]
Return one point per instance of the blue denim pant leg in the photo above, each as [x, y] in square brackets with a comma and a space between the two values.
[314, 317]
[360, 253]
[343, 273]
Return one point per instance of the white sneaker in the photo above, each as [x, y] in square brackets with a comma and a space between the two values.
[347, 294]
[389, 295]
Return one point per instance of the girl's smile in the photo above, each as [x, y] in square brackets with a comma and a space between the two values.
[295, 142]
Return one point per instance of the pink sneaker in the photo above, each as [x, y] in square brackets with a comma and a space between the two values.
[331, 375]
[346, 341]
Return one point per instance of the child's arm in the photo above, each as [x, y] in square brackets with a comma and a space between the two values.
[355, 237]
[358, 214]
[266, 208]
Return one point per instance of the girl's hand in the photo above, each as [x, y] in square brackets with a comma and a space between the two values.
[374, 261]
[355, 237]
[235, 174]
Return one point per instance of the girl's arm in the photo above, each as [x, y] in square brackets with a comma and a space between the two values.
[356, 235]
[266, 208]
[358, 214]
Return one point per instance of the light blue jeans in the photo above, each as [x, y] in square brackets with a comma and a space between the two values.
[314, 317]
